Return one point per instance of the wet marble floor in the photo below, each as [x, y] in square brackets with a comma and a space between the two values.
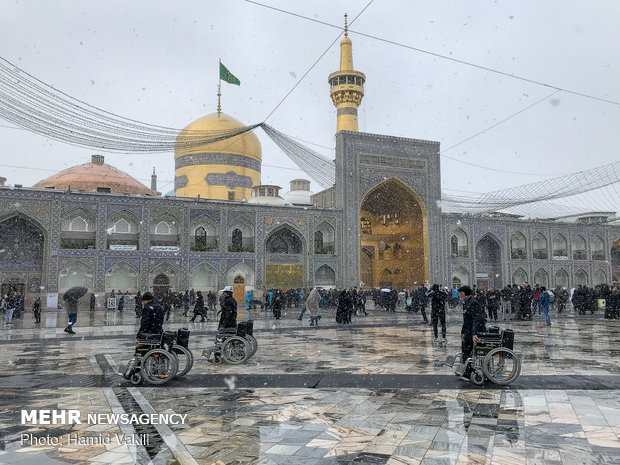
[374, 392]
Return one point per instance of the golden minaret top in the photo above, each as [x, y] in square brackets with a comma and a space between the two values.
[347, 86]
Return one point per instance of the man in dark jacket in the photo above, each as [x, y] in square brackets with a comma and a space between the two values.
[438, 311]
[474, 322]
[228, 318]
[152, 316]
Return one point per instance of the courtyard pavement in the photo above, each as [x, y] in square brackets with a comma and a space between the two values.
[373, 392]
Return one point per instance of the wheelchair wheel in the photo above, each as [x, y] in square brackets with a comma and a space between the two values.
[477, 377]
[159, 366]
[235, 350]
[252, 343]
[136, 378]
[185, 359]
[501, 366]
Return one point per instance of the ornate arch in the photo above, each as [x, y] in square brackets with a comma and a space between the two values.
[76, 273]
[122, 276]
[169, 270]
[203, 277]
[393, 205]
[276, 233]
[244, 270]
[519, 276]
[325, 275]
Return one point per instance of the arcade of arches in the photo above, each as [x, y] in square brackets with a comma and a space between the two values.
[393, 237]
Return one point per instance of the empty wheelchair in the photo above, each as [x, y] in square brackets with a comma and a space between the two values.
[492, 359]
[160, 357]
[233, 345]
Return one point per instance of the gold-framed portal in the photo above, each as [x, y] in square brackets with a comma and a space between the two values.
[393, 237]
[239, 288]
[284, 276]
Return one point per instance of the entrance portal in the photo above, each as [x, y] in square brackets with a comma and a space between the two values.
[393, 237]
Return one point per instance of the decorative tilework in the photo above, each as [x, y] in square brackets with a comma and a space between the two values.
[214, 262]
[111, 261]
[230, 180]
[180, 182]
[272, 222]
[136, 210]
[217, 159]
[86, 206]
[213, 214]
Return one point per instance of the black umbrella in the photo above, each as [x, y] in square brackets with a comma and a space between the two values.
[75, 293]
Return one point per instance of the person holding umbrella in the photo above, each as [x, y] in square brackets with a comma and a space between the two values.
[72, 297]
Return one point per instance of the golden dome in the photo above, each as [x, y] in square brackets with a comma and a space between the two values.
[95, 176]
[222, 170]
[246, 144]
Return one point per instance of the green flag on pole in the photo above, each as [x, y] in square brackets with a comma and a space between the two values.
[227, 76]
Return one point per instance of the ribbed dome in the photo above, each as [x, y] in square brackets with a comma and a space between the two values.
[244, 144]
[95, 176]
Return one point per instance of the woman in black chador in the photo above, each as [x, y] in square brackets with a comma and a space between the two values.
[342, 312]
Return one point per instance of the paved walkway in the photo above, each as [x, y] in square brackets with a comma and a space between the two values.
[373, 392]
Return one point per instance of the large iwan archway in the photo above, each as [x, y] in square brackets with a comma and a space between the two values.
[393, 237]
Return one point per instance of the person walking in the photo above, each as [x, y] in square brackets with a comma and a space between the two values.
[11, 303]
[438, 312]
[312, 306]
[228, 310]
[199, 307]
[72, 312]
[121, 302]
[93, 301]
[545, 303]
[277, 304]
[36, 309]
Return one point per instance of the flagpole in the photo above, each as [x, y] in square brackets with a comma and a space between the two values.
[219, 88]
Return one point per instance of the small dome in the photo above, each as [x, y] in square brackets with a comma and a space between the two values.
[244, 144]
[95, 176]
[267, 195]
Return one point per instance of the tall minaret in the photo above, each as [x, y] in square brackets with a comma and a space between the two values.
[154, 181]
[347, 86]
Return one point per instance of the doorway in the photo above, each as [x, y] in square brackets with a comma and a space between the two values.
[161, 285]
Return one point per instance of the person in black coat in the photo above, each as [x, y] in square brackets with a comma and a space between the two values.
[342, 312]
[199, 307]
[438, 310]
[228, 317]
[474, 322]
[93, 301]
[152, 316]
[36, 309]
[277, 304]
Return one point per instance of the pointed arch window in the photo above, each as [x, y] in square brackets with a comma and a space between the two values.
[318, 242]
[200, 238]
[579, 248]
[539, 247]
[598, 248]
[518, 249]
[237, 240]
[560, 248]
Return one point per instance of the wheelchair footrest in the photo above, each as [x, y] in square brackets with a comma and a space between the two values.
[450, 360]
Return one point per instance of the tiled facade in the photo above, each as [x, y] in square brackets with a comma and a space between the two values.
[363, 161]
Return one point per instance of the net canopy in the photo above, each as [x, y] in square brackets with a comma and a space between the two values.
[38, 107]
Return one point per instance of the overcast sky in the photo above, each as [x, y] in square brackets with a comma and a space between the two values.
[157, 62]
